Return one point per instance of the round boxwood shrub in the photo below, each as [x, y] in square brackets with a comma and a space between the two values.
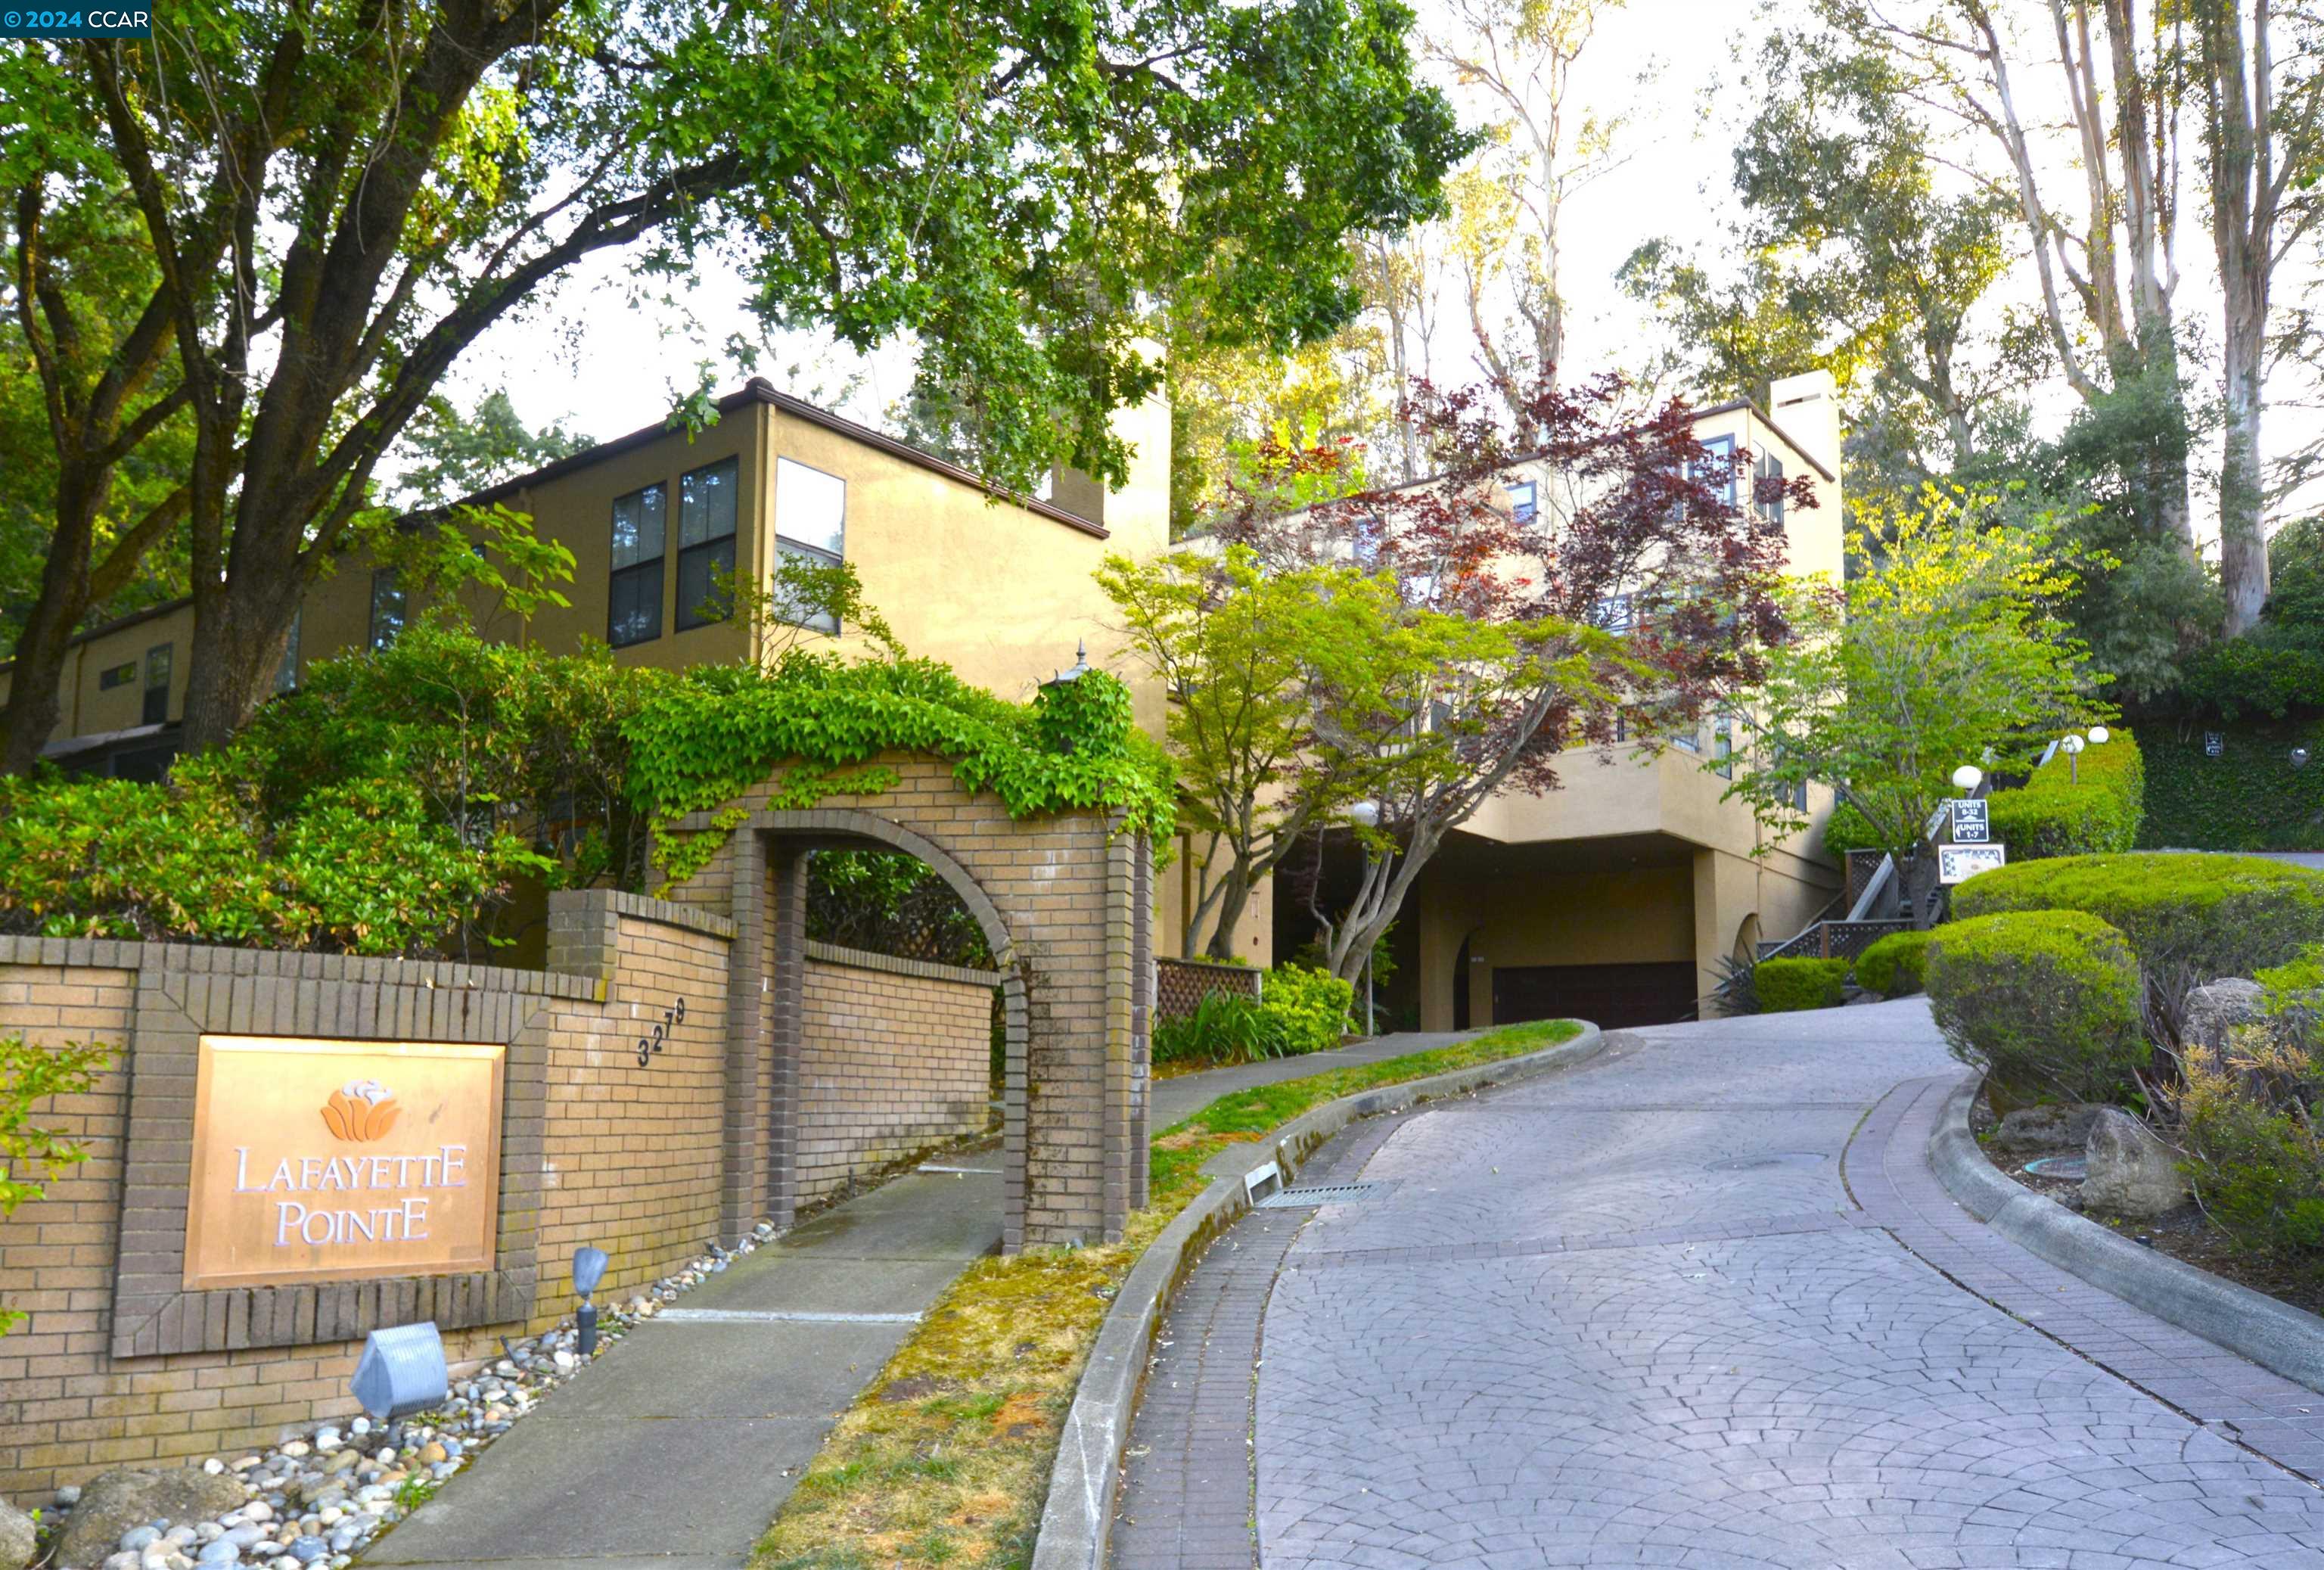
[1894, 965]
[2043, 1000]
[2190, 918]
[1788, 986]
[2091, 806]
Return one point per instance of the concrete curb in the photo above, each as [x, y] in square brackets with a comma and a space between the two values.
[2275, 1335]
[1077, 1522]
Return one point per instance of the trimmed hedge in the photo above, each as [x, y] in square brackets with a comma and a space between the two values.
[1788, 985]
[1895, 965]
[1846, 830]
[2249, 798]
[2202, 915]
[2067, 809]
[2041, 999]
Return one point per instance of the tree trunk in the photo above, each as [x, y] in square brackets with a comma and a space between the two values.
[2243, 524]
[35, 705]
[1234, 899]
[1919, 876]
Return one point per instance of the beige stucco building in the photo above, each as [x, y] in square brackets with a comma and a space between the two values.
[1614, 897]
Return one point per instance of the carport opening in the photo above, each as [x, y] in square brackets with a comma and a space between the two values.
[900, 1066]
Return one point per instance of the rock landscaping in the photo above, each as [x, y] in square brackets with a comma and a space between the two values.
[318, 1500]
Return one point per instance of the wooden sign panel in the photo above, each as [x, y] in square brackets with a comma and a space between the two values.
[341, 1161]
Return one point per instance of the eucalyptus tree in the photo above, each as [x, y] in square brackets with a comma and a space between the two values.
[333, 199]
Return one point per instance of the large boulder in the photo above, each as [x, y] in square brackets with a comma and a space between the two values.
[118, 1501]
[2031, 1129]
[2215, 1010]
[2131, 1173]
[18, 1539]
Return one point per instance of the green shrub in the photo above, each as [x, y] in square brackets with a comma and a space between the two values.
[1894, 965]
[361, 866]
[2254, 1155]
[1788, 986]
[1309, 1008]
[1847, 830]
[2249, 798]
[2046, 999]
[2189, 917]
[2069, 808]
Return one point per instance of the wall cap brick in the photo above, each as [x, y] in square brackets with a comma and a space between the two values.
[894, 964]
[115, 953]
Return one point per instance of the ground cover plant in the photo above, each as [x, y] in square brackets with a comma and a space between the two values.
[944, 1458]
[2251, 796]
[1297, 1011]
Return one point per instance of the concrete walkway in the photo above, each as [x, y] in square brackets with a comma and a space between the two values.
[675, 1451]
[1698, 1303]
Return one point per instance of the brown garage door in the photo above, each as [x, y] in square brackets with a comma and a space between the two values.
[1611, 995]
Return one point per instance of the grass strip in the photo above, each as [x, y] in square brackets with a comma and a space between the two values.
[944, 1460]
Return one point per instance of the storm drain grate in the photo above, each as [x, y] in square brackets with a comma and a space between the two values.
[1318, 1194]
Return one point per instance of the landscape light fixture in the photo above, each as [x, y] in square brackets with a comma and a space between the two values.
[402, 1371]
[2100, 736]
[2300, 757]
[1969, 777]
[588, 1269]
[2071, 746]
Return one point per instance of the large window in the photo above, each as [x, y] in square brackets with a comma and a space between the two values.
[640, 537]
[1718, 467]
[706, 543]
[157, 685]
[810, 526]
[1524, 499]
[1771, 511]
[387, 608]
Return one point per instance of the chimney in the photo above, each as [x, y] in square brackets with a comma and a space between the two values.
[1806, 408]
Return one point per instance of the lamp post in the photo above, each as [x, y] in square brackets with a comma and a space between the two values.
[588, 1269]
[2072, 747]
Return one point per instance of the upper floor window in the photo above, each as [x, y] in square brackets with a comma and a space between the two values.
[811, 526]
[286, 675]
[641, 539]
[1716, 469]
[1771, 511]
[1524, 497]
[1722, 746]
[388, 605]
[120, 674]
[705, 542]
[157, 685]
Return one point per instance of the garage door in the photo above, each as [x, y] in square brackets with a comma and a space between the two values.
[1612, 995]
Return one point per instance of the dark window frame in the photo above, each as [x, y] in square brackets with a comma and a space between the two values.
[1770, 467]
[114, 676]
[711, 547]
[385, 582]
[158, 659]
[651, 566]
[785, 545]
[1524, 512]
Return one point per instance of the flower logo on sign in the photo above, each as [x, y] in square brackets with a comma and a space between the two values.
[361, 1110]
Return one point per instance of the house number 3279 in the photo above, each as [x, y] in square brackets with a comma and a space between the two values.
[653, 1042]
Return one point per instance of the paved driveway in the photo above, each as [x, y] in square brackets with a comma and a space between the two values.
[1638, 1314]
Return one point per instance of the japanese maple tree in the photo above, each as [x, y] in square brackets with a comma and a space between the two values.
[1640, 591]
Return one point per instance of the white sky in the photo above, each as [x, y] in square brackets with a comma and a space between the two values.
[586, 356]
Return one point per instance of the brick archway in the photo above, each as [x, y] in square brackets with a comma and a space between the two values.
[1066, 903]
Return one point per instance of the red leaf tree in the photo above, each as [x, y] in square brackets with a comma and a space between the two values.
[1640, 588]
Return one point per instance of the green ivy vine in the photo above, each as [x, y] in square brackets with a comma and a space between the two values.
[718, 731]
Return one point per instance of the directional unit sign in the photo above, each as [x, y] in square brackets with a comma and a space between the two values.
[1957, 863]
[1972, 826]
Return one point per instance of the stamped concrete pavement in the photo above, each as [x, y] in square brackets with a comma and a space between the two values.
[1644, 1313]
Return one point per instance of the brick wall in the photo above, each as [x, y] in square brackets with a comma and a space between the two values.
[621, 1156]
[895, 1057]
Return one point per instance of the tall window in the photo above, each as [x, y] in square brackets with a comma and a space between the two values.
[1718, 467]
[157, 685]
[286, 675]
[705, 542]
[1722, 746]
[1523, 499]
[1771, 467]
[640, 535]
[387, 608]
[810, 526]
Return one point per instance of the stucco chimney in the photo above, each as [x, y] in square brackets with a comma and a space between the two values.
[1807, 407]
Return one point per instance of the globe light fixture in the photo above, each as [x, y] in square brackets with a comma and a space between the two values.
[1364, 812]
[2300, 757]
[2071, 746]
[2100, 736]
[1969, 777]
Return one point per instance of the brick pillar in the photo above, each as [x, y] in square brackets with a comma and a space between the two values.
[743, 1187]
[784, 1007]
[1141, 1023]
[1016, 1017]
[1121, 992]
